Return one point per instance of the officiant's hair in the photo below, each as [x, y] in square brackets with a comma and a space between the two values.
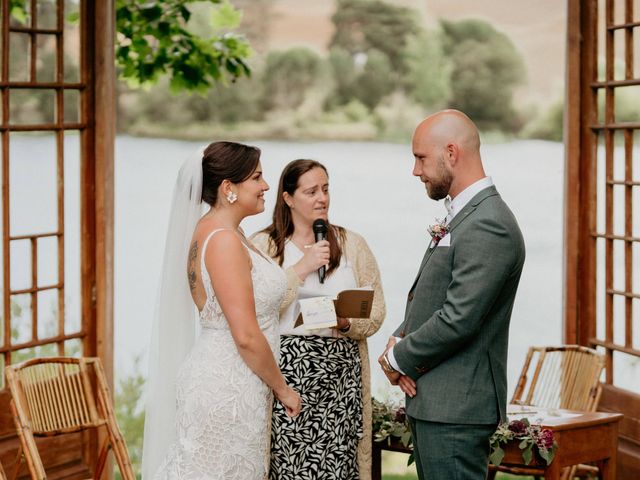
[282, 226]
[226, 161]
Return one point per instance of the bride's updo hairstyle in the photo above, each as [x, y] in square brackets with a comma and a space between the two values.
[226, 161]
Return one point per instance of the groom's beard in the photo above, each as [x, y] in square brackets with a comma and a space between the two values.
[438, 188]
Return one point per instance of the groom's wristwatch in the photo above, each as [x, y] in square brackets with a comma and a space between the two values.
[386, 364]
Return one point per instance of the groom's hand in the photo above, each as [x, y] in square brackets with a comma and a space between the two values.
[392, 375]
[407, 385]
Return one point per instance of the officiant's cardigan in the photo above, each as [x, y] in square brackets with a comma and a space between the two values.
[366, 271]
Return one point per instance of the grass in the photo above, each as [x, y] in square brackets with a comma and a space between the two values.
[394, 467]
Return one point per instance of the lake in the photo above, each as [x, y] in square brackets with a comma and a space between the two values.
[372, 193]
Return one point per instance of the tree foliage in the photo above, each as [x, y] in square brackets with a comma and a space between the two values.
[344, 76]
[364, 25]
[153, 39]
[18, 10]
[375, 81]
[287, 77]
[486, 70]
[368, 82]
[428, 70]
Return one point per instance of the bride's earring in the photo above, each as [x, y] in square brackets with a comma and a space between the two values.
[232, 197]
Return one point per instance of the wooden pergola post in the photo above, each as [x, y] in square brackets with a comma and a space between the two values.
[100, 142]
[97, 197]
[579, 263]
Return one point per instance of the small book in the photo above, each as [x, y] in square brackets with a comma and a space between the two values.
[314, 313]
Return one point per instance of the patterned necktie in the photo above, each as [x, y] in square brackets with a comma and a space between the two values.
[447, 205]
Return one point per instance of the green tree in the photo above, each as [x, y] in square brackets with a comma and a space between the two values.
[486, 70]
[235, 103]
[376, 79]
[287, 77]
[154, 39]
[429, 70]
[364, 25]
[344, 75]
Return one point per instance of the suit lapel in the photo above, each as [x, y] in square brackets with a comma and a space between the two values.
[457, 220]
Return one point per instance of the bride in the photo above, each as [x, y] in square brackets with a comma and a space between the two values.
[209, 402]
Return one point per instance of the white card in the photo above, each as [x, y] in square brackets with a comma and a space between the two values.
[318, 312]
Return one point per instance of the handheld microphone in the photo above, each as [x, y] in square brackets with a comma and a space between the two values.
[320, 233]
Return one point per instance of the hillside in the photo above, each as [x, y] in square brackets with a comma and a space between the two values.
[536, 28]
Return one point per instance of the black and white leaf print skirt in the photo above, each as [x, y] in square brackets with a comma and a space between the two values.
[322, 442]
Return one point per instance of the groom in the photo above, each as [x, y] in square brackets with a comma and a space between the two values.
[449, 355]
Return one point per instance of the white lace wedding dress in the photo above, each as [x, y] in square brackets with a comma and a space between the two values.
[223, 408]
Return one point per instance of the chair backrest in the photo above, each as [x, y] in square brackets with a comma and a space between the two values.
[55, 395]
[561, 377]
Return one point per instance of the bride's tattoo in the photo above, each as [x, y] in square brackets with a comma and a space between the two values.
[193, 254]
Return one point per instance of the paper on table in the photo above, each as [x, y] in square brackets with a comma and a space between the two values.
[537, 415]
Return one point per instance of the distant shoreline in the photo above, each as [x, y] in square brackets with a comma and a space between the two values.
[357, 131]
[279, 131]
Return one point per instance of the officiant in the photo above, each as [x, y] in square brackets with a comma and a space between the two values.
[329, 367]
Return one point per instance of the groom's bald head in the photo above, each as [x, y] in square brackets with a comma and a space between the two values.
[450, 126]
[453, 138]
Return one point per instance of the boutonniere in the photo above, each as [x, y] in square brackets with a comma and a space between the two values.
[438, 231]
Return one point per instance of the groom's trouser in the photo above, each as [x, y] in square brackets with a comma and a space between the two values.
[447, 451]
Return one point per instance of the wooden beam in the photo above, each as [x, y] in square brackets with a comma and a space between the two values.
[105, 130]
[572, 165]
[585, 281]
[104, 145]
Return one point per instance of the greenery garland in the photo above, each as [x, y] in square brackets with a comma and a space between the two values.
[530, 438]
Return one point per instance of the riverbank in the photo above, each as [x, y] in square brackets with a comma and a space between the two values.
[286, 130]
[273, 130]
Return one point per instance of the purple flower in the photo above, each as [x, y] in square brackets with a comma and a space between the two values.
[401, 415]
[545, 439]
[518, 427]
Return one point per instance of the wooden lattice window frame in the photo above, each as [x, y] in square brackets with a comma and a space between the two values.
[95, 127]
[597, 306]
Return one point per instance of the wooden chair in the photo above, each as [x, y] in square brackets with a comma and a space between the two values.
[54, 396]
[566, 377]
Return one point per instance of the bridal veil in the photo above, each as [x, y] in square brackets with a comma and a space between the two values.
[174, 321]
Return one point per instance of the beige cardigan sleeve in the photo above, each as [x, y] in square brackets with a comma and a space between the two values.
[367, 273]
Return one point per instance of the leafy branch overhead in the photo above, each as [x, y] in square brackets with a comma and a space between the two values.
[153, 39]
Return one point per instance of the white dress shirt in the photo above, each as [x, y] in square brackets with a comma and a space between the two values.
[453, 206]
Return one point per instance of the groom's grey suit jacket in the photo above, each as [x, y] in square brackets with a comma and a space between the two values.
[456, 324]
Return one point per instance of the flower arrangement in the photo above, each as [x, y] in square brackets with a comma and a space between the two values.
[528, 436]
[438, 231]
[390, 422]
